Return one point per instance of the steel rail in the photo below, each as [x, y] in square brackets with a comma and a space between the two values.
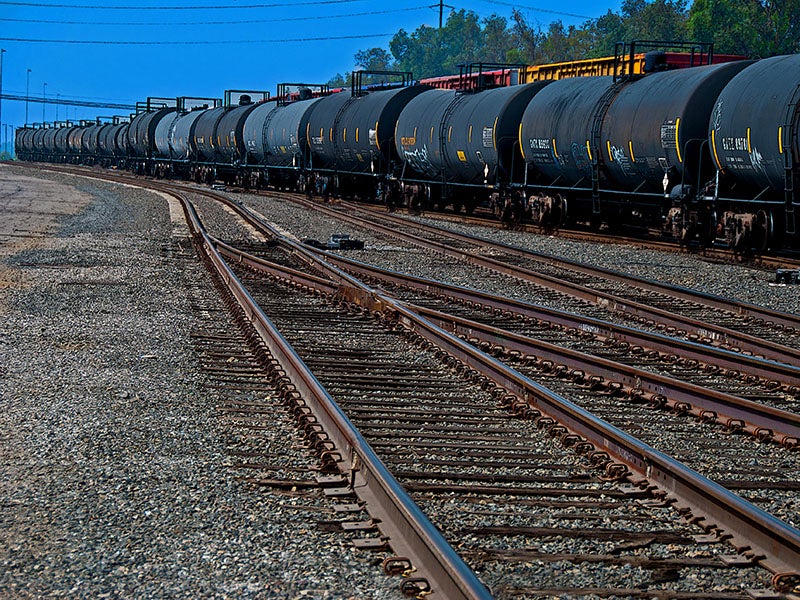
[753, 365]
[735, 361]
[407, 528]
[722, 335]
[727, 409]
[731, 411]
[681, 292]
[761, 537]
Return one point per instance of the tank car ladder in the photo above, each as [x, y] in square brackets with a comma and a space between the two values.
[443, 141]
[786, 141]
[597, 123]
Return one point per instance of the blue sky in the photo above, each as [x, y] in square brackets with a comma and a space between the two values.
[203, 47]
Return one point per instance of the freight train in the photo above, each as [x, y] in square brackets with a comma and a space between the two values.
[709, 152]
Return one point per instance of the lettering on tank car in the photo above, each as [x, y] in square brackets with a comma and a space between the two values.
[488, 137]
[541, 150]
[317, 141]
[734, 144]
[669, 132]
[408, 141]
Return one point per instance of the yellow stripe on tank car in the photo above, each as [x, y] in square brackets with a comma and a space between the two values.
[344, 134]
[494, 133]
[748, 141]
[377, 137]
[450, 133]
[608, 147]
[431, 137]
[555, 150]
[469, 135]
[630, 147]
[714, 148]
[356, 133]
[589, 150]
[677, 139]
[521, 147]
[780, 140]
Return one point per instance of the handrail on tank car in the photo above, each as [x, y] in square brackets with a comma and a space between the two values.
[472, 76]
[284, 93]
[196, 102]
[624, 66]
[244, 93]
[152, 104]
[357, 80]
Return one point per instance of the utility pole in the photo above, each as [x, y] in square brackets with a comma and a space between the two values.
[27, 95]
[441, 6]
[44, 100]
[2, 51]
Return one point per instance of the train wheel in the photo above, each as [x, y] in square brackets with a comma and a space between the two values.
[764, 230]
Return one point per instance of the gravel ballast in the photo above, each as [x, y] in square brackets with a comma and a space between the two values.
[114, 478]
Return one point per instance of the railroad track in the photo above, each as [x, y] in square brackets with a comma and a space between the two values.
[503, 480]
[697, 316]
[646, 239]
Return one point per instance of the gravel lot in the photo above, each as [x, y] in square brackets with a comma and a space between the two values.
[113, 476]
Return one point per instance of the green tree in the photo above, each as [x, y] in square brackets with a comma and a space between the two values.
[526, 40]
[462, 40]
[497, 40]
[339, 80]
[754, 28]
[662, 20]
[375, 59]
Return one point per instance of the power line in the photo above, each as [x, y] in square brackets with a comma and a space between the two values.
[65, 102]
[237, 6]
[245, 22]
[195, 42]
[531, 8]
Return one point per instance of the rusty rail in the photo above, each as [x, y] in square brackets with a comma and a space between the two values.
[730, 411]
[757, 534]
[408, 529]
[745, 342]
[752, 365]
[741, 308]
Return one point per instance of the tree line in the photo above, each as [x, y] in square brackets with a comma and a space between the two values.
[752, 28]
